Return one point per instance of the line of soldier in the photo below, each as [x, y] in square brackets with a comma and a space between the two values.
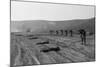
[62, 32]
[82, 33]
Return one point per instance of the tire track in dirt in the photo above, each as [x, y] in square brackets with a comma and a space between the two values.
[30, 53]
[26, 54]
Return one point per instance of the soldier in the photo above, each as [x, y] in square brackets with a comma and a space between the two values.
[57, 32]
[83, 36]
[66, 32]
[61, 32]
[71, 33]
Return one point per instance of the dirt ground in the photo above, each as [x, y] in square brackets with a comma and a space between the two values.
[26, 52]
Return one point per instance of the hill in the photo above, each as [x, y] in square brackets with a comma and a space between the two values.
[45, 25]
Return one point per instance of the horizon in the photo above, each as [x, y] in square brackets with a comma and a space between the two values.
[56, 20]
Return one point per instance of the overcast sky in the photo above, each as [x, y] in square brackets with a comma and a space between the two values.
[44, 11]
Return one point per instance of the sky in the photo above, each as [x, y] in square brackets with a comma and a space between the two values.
[44, 11]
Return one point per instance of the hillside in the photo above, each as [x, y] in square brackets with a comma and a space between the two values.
[44, 25]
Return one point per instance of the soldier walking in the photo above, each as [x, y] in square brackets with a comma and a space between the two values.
[83, 36]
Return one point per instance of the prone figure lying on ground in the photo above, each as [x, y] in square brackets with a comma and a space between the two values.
[29, 35]
[33, 38]
[19, 35]
[45, 42]
[50, 49]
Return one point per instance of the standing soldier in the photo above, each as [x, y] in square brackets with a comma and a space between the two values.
[71, 33]
[66, 32]
[61, 32]
[83, 36]
[57, 32]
